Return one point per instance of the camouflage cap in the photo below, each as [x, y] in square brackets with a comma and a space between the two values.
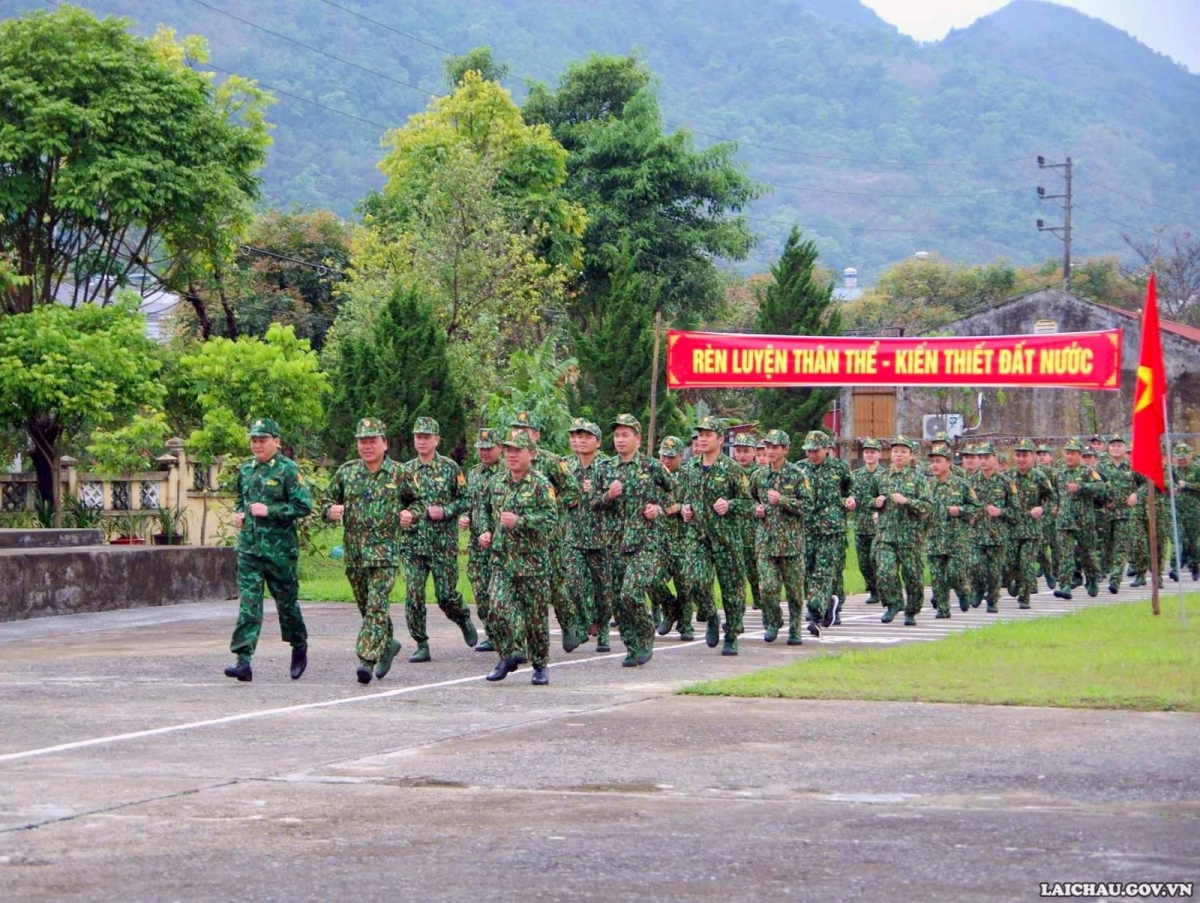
[670, 447]
[777, 437]
[943, 436]
[693, 436]
[626, 420]
[264, 426]
[1074, 444]
[873, 444]
[1044, 449]
[1116, 437]
[368, 427]
[582, 425]
[760, 443]
[489, 437]
[427, 425]
[941, 450]
[985, 448]
[970, 450]
[816, 439]
[1182, 450]
[744, 440]
[1025, 445]
[527, 420]
[1098, 437]
[711, 424]
[901, 440]
[518, 438]
[1089, 452]
[915, 445]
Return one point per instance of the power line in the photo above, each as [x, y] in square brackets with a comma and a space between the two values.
[861, 194]
[386, 27]
[323, 53]
[852, 228]
[1115, 221]
[1194, 216]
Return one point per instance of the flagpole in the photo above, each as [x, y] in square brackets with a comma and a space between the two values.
[1174, 515]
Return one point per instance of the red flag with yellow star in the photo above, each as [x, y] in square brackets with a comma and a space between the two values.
[1148, 395]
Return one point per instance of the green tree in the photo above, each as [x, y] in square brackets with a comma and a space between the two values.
[478, 60]
[650, 193]
[62, 371]
[398, 373]
[797, 302]
[235, 380]
[540, 382]
[116, 154]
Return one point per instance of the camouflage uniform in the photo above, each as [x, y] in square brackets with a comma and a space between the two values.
[1187, 496]
[479, 559]
[898, 540]
[592, 556]
[1076, 522]
[1117, 526]
[718, 540]
[780, 542]
[431, 547]
[1141, 546]
[749, 528]
[864, 488]
[371, 522]
[267, 547]
[1031, 490]
[991, 533]
[825, 542]
[946, 542]
[644, 482]
[519, 586]
[1048, 550]
[675, 549]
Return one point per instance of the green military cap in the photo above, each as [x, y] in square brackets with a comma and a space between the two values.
[901, 440]
[427, 425]
[943, 436]
[985, 448]
[760, 443]
[693, 436]
[941, 450]
[368, 427]
[1025, 445]
[1044, 448]
[264, 426]
[1074, 444]
[626, 420]
[526, 419]
[1183, 450]
[1089, 452]
[873, 444]
[915, 445]
[1097, 437]
[670, 447]
[711, 424]
[582, 425]
[815, 439]
[1116, 437]
[744, 440]
[777, 437]
[489, 437]
[518, 438]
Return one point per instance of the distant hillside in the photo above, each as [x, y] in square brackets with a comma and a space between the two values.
[878, 145]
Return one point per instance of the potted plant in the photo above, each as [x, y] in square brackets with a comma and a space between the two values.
[128, 529]
[172, 526]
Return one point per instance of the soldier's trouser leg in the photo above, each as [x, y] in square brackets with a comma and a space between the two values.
[566, 609]
[912, 571]
[731, 577]
[250, 606]
[1118, 553]
[825, 567]
[633, 618]
[600, 566]
[939, 579]
[284, 586]
[701, 582]
[517, 616]
[662, 600]
[839, 568]
[1045, 559]
[479, 575]
[864, 552]
[991, 565]
[887, 573]
[750, 565]
[372, 587]
[1025, 576]
[770, 584]
[791, 570]
[1076, 554]
[416, 573]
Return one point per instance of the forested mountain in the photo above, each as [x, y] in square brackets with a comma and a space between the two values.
[878, 146]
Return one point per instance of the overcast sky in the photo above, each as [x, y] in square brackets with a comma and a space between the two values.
[1168, 26]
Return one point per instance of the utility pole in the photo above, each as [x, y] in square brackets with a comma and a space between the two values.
[1063, 231]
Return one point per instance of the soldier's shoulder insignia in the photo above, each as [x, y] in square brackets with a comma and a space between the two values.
[807, 484]
[562, 466]
[462, 481]
[1095, 476]
[272, 482]
[299, 478]
[745, 482]
[1012, 487]
[552, 493]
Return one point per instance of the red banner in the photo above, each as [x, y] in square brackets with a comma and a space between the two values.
[1077, 360]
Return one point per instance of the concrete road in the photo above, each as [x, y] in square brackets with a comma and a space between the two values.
[131, 768]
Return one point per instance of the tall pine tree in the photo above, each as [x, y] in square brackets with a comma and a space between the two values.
[398, 374]
[797, 302]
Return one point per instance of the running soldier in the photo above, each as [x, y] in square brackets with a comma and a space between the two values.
[592, 556]
[864, 490]
[903, 504]
[1187, 494]
[825, 541]
[1076, 486]
[1033, 494]
[995, 492]
[677, 608]
[479, 559]
[952, 505]
[1048, 549]
[1116, 531]
[745, 452]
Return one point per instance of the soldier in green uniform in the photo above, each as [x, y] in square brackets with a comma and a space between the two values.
[1048, 549]
[677, 608]
[431, 538]
[1121, 483]
[366, 496]
[745, 452]
[716, 495]
[762, 457]
[825, 537]
[1187, 494]
[479, 559]
[1140, 556]
[556, 469]
[640, 487]
[995, 493]
[782, 495]
[864, 490]
[903, 504]
[1076, 487]
[518, 522]
[952, 505]
[592, 557]
[271, 498]
[1033, 496]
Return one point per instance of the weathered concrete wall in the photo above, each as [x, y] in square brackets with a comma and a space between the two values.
[39, 582]
[1046, 413]
[49, 539]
